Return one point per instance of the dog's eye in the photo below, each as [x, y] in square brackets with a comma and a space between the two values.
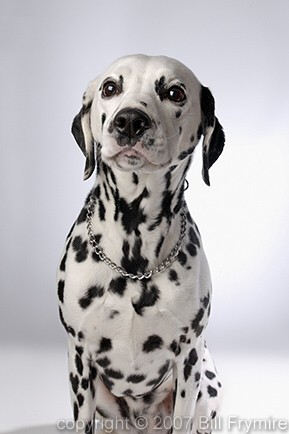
[176, 94]
[109, 89]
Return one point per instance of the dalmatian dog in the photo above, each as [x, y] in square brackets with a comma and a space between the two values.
[134, 285]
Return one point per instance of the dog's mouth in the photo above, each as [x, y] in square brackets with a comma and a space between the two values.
[130, 158]
[144, 155]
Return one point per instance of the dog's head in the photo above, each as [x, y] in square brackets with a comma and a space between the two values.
[145, 113]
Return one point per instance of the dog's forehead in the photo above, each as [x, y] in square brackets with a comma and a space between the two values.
[151, 67]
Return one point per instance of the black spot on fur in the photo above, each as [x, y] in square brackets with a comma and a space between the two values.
[152, 343]
[79, 350]
[109, 384]
[168, 179]
[80, 336]
[184, 154]
[103, 362]
[149, 296]
[178, 113]
[212, 391]
[143, 103]
[135, 178]
[175, 348]
[105, 345]
[103, 118]
[109, 372]
[191, 248]
[91, 293]
[159, 246]
[133, 262]
[96, 192]
[78, 364]
[180, 130]
[80, 247]
[75, 411]
[89, 428]
[60, 290]
[162, 372]
[82, 216]
[84, 383]
[123, 407]
[149, 398]
[118, 286]
[113, 314]
[135, 378]
[173, 275]
[80, 399]
[166, 211]
[74, 382]
[132, 213]
[120, 83]
[197, 377]
[106, 192]
[193, 237]
[206, 301]
[95, 257]
[190, 361]
[210, 375]
[71, 331]
[196, 322]
[62, 265]
[183, 393]
[92, 372]
[68, 328]
[92, 377]
[182, 258]
[101, 210]
[192, 138]
[160, 88]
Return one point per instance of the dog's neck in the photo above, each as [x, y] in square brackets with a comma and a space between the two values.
[137, 210]
[146, 198]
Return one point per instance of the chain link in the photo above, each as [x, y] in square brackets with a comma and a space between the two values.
[113, 266]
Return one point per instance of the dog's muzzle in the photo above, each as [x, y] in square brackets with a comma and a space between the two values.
[129, 125]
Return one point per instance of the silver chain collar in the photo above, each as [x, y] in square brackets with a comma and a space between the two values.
[102, 256]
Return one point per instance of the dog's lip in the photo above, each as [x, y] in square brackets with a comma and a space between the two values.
[131, 154]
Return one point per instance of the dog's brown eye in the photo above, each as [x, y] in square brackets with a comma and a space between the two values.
[109, 89]
[176, 94]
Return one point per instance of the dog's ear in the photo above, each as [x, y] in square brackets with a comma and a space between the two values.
[214, 137]
[81, 130]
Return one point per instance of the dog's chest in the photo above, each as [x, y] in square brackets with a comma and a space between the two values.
[133, 352]
[132, 329]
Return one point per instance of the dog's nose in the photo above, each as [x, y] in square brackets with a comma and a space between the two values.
[131, 123]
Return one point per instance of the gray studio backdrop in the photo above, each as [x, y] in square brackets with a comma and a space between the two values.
[49, 52]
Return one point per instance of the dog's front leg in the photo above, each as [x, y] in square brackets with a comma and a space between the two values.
[186, 373]
[82, 379]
